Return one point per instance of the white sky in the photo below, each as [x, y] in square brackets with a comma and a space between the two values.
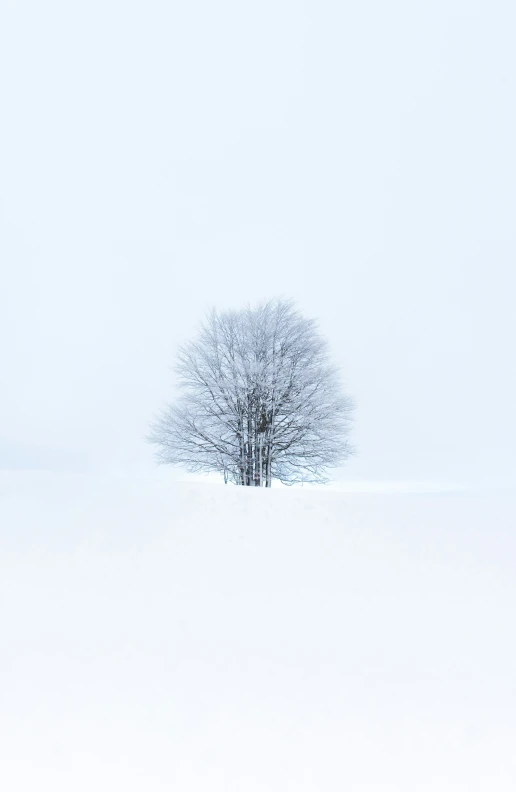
[157, 158]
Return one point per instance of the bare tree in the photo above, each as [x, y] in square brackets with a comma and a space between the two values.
[260, 400]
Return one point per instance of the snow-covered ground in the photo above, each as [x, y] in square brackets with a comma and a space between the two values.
[179, 636]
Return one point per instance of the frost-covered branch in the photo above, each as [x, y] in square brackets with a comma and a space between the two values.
[259, 400]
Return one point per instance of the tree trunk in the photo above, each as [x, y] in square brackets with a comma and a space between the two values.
[268, 478]
[249, 476]
[241, 460]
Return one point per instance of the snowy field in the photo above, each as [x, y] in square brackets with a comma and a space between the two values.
[189, 637]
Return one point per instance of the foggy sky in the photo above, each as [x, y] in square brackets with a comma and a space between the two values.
[160, 158]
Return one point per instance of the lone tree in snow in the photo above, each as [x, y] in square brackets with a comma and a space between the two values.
[260, 400]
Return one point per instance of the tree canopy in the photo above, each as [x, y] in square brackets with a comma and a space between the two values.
[259, 400]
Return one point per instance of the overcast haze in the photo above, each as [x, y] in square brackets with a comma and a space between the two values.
[159, 158]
